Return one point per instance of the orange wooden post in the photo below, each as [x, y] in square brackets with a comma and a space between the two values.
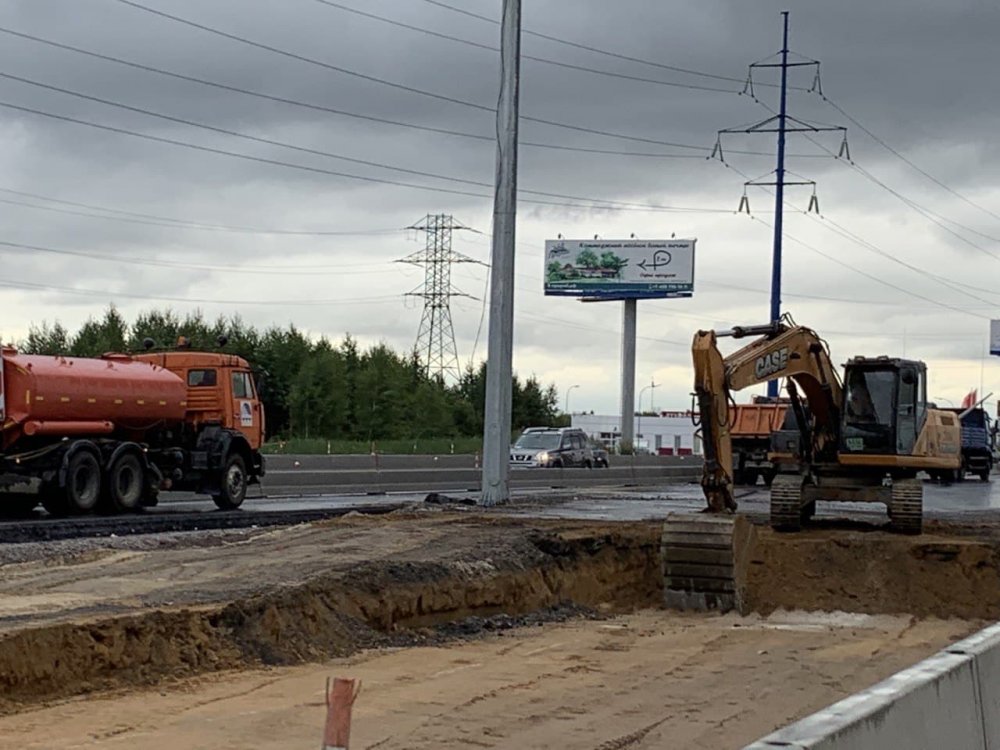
[340, 697]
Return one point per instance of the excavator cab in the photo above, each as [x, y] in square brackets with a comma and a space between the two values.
[885, 405]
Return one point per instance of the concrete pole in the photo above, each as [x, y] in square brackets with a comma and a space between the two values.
[628, 376]
[499, 367]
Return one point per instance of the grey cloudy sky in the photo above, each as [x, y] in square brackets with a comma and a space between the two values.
[920, 75]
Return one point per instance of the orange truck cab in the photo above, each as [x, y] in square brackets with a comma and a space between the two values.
[112, 432]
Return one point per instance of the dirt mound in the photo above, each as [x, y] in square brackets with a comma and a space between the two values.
[873, 572]
[373, 604]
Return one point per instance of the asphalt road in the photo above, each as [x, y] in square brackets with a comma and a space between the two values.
[648, 487]
[306, 475]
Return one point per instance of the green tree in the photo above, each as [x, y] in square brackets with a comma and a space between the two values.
[46, 339]
[588, 259]
[96, 337]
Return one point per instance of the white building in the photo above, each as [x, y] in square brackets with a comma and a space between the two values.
[671, 433]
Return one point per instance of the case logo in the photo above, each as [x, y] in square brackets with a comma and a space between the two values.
[770, 363]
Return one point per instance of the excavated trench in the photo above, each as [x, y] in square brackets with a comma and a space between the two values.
[502, 575]
[378, 603]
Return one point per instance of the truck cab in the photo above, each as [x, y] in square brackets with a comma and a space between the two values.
[220, 390]
[224, 418]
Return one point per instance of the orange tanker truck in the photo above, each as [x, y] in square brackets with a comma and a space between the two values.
[110, 433]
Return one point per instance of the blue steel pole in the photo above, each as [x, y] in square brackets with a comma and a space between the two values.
[772, 385]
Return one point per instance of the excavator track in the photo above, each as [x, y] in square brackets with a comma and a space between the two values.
[786, 502]
[906, 506]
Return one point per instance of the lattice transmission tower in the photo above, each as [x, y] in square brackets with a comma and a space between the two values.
[436, 337]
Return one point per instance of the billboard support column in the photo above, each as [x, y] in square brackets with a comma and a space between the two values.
[628, 375]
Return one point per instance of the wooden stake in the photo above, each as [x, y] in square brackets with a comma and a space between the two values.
[340, 697]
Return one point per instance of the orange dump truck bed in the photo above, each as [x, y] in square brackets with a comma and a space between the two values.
[757, 420]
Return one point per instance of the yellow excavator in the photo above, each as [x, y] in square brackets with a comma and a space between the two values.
[860, 439]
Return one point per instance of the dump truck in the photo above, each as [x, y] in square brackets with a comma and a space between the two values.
[110, 433]
[978, 439]
[750, 433]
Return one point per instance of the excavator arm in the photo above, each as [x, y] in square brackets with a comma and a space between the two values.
[780, 350]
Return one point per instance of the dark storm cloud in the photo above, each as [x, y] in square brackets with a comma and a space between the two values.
[922, 75]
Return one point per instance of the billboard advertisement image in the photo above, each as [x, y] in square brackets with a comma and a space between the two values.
[619, 269]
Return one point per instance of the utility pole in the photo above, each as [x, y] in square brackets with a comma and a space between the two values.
[630, 313]
[436, 335]
[499, 362]
[779, 193]
[780, 124]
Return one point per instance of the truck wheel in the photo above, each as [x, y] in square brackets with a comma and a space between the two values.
[125, 484]
[985, 475]
[83, 483]
[232, 483]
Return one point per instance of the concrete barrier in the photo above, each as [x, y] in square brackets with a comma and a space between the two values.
[950, 701]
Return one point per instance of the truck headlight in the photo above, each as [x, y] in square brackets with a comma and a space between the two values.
[542, 458]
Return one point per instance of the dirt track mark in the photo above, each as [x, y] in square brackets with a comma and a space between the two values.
[629, 740]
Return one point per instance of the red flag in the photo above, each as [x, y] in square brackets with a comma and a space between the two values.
[970, 399]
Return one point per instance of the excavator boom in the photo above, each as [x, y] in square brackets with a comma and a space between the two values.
[779, 350]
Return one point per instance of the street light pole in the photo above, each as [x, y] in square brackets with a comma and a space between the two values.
[568, 391]
[638, 430]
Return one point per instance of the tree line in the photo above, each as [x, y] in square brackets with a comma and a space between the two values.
[314, 388]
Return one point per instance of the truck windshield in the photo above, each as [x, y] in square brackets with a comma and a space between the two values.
[539, 441]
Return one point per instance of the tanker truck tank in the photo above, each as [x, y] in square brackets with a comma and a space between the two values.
[47, 395]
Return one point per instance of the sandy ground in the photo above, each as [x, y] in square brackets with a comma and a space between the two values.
[652, 679]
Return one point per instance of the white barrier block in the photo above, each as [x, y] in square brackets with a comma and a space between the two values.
[931, 706]
[984, 648]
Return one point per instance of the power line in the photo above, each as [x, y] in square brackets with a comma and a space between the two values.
[31, 286]
[589, 48]
[243, 136]
[400, 86]
[871, 247]
[868, 245]
[172, 223]
[264, 270]
[333, 110]
[924, 212]
[599, 204]
[907, 161]
[932, 216]
[370, 118]
[545, 60]
[878, 279]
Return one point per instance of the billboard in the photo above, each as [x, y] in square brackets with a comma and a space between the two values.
[619, 269]
[995, 337]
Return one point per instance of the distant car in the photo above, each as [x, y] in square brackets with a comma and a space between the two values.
[552, 447]
[600, 455]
